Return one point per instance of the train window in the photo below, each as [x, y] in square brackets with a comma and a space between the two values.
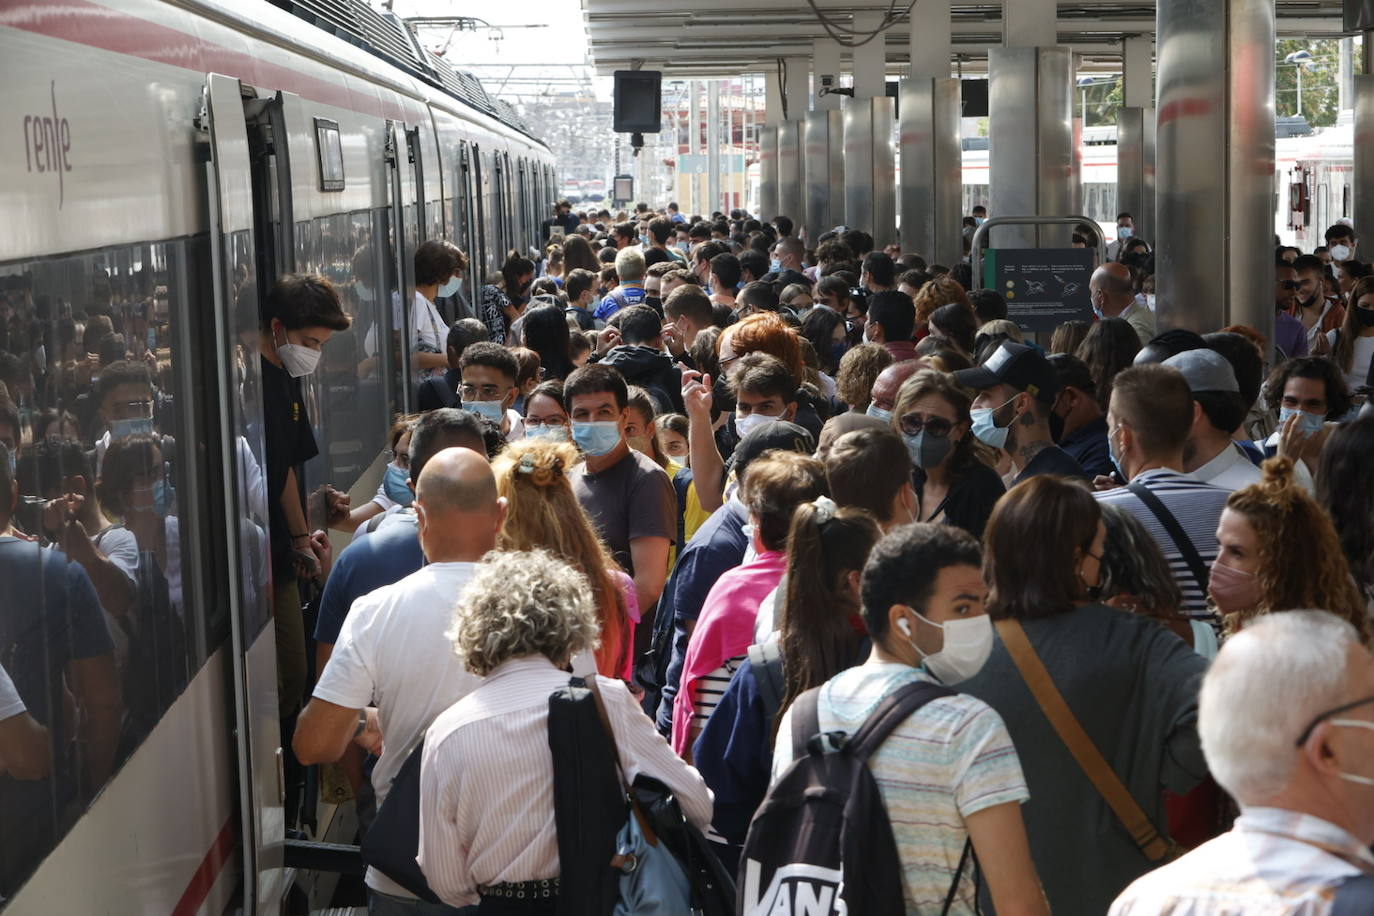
[329, 153]
[102, 621]
[346, 398]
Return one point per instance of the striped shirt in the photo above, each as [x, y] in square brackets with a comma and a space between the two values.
[950, 759]
[486, 779]
[1274, 862]
[1197, 506]
[710, 689]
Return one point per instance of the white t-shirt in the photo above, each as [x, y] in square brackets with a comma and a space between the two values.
[427, 329]
[10, 704]
[1359, 363]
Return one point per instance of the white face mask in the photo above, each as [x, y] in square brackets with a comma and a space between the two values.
[296, 359]
[449, 289]
[1355, 723]
[968, 643]
[1340, 252]
[745, 425]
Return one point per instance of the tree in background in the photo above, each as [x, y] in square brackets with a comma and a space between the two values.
[1320, 76]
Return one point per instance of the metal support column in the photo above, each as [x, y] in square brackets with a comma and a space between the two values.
[789, 171]
[1135, 168]
[932, 169]
[712, 148]
[1215, 164]
[768, 171]
[823, 172]
[1035, 168]
[1362, 186]
[694, 194]
[870, 201]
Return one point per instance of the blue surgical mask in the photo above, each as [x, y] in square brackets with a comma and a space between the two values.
[364, 292]
[492, 410]
[449, 289]
[164, 498]
[152, 338]
[138, 426]
[927, 451]
[394, 485]
[775, 266]
[1124, 232]
[1116, 463]
[552, 433]
[986, 429]
[684, 247]
[878, 413]
[597, 438]
[1307, 422]
[978, 220]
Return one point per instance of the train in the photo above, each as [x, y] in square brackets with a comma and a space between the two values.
[165, 162]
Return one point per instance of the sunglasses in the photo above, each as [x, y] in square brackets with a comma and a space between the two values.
[938, 427]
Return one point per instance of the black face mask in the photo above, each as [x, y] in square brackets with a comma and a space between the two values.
[654, 302]
[1056, 426]
[1364, 317]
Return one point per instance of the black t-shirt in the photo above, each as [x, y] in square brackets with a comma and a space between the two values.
[568, 221]
[972, 494]
[1051, 460]
[290, 443]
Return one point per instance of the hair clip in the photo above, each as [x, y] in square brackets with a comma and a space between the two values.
[825, 509]
[526, 463]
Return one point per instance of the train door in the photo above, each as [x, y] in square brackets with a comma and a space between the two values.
[467, 229]
[407, 220]
[240, 452]
[480, 259]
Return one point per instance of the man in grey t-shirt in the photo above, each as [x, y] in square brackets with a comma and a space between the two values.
[629, 498]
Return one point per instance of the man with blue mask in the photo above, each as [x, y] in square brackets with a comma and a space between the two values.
[1016, 392]
[628, 497]
[488, 389]
[124, 402]
[1125, 229]
[1286, 718]
[1307, 392]
[1113, 296]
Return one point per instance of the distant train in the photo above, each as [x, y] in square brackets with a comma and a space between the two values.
[165, 162]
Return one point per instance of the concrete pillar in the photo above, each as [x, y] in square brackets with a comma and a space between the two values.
[772, 98]
[928, 142]
[870, 201]
[825, 65]
[694, 143]
[869, 60]
[1030, 23]
[768, 171]
[1215, 164]
[1135, 136]
[1033, 159]
[797, 73]
[1137, 72]
[713, 140]
[1362, 187]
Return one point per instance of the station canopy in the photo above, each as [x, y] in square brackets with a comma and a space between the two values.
[726, 38]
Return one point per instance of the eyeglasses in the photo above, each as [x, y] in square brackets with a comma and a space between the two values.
[536, 422]
[483, 392]
[400, 459]
[1311, 726]
[1288, 284]
[938, 427]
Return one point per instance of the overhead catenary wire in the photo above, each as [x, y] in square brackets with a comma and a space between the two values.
[849, 37]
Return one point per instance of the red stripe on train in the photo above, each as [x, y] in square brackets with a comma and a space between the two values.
[208, 873]
[96, 26]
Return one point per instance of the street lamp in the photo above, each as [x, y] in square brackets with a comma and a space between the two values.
[1083, 83]
[1299, 60]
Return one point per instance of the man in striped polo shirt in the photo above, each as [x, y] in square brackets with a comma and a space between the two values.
[1148, 422]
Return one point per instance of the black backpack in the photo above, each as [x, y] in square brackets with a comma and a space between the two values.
[823, 831]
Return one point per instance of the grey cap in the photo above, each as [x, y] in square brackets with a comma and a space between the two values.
[1205, 370]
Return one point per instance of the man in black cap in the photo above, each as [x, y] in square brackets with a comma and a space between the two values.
[1016, 391]
[719, 545]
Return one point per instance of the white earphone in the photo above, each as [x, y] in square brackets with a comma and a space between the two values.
[904, 625]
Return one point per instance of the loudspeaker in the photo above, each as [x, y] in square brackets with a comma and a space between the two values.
[638, 102]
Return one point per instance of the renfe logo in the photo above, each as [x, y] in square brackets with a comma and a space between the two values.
[47, 141]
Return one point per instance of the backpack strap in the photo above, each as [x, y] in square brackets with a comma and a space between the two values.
[1155, 846]
[766, 662]
[958, 873]
[1354, 896]
[1180, 537]
[895, 709]
[806, 721]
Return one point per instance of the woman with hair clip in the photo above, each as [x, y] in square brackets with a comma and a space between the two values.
[531, 475]
[1352, 344]
[504, 295]
[821, 634]
[1280, 552]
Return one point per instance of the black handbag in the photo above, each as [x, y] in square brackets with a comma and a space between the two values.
[391, 844]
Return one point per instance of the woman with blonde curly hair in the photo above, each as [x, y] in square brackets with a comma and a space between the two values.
[1280, 552]
[544, 512]
[488, 828]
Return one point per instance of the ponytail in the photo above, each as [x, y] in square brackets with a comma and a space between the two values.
[515, 267]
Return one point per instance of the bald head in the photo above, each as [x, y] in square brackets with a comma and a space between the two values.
[456, 480]
[890, 380]
[1111, 288]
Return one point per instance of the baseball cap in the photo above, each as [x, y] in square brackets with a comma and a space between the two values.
[1205, 370]
[775, 434]
[1021, 366]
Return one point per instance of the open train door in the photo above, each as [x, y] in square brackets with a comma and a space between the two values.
[407, 222]
[245, 576]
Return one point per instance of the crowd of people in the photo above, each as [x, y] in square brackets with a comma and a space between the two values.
[751, 487]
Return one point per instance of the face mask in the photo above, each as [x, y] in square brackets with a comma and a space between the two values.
[1340, 252]
[1111, 453]
[775, 266]
[1098, 312]
[394, 485]
[986, 428]
[745, 425]
[968, 643]
[644, 241]
[1056, 426]
[364, 291]
[878, 413]
[837, 350]
[296, 359]
[1364, 317]
[449, 289]
[1354, 723]
[1124, 232]
[492, 410]
[552, 433]
[1150, 301]
[654, 302]
[1307, 422]
[164, 499]
[14, 462]
[927, 451]
[978, 220]
[123, 429]
[598, 438]
[1232, 589]
[684, 247]
[152, 338]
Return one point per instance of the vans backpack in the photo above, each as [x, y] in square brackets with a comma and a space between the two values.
[822, 843]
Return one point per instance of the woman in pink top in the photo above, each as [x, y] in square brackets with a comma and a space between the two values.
[772, 489]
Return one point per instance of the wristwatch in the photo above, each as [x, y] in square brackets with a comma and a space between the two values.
[362, 723]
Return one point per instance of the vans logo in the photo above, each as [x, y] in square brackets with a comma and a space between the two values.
[795, 890]
[47, 143]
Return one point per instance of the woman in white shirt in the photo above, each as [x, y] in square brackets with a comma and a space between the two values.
[1352, 344]
[487, 829]
[439, 265]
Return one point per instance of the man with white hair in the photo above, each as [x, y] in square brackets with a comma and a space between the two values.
[629, 270]
[1286, 718]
